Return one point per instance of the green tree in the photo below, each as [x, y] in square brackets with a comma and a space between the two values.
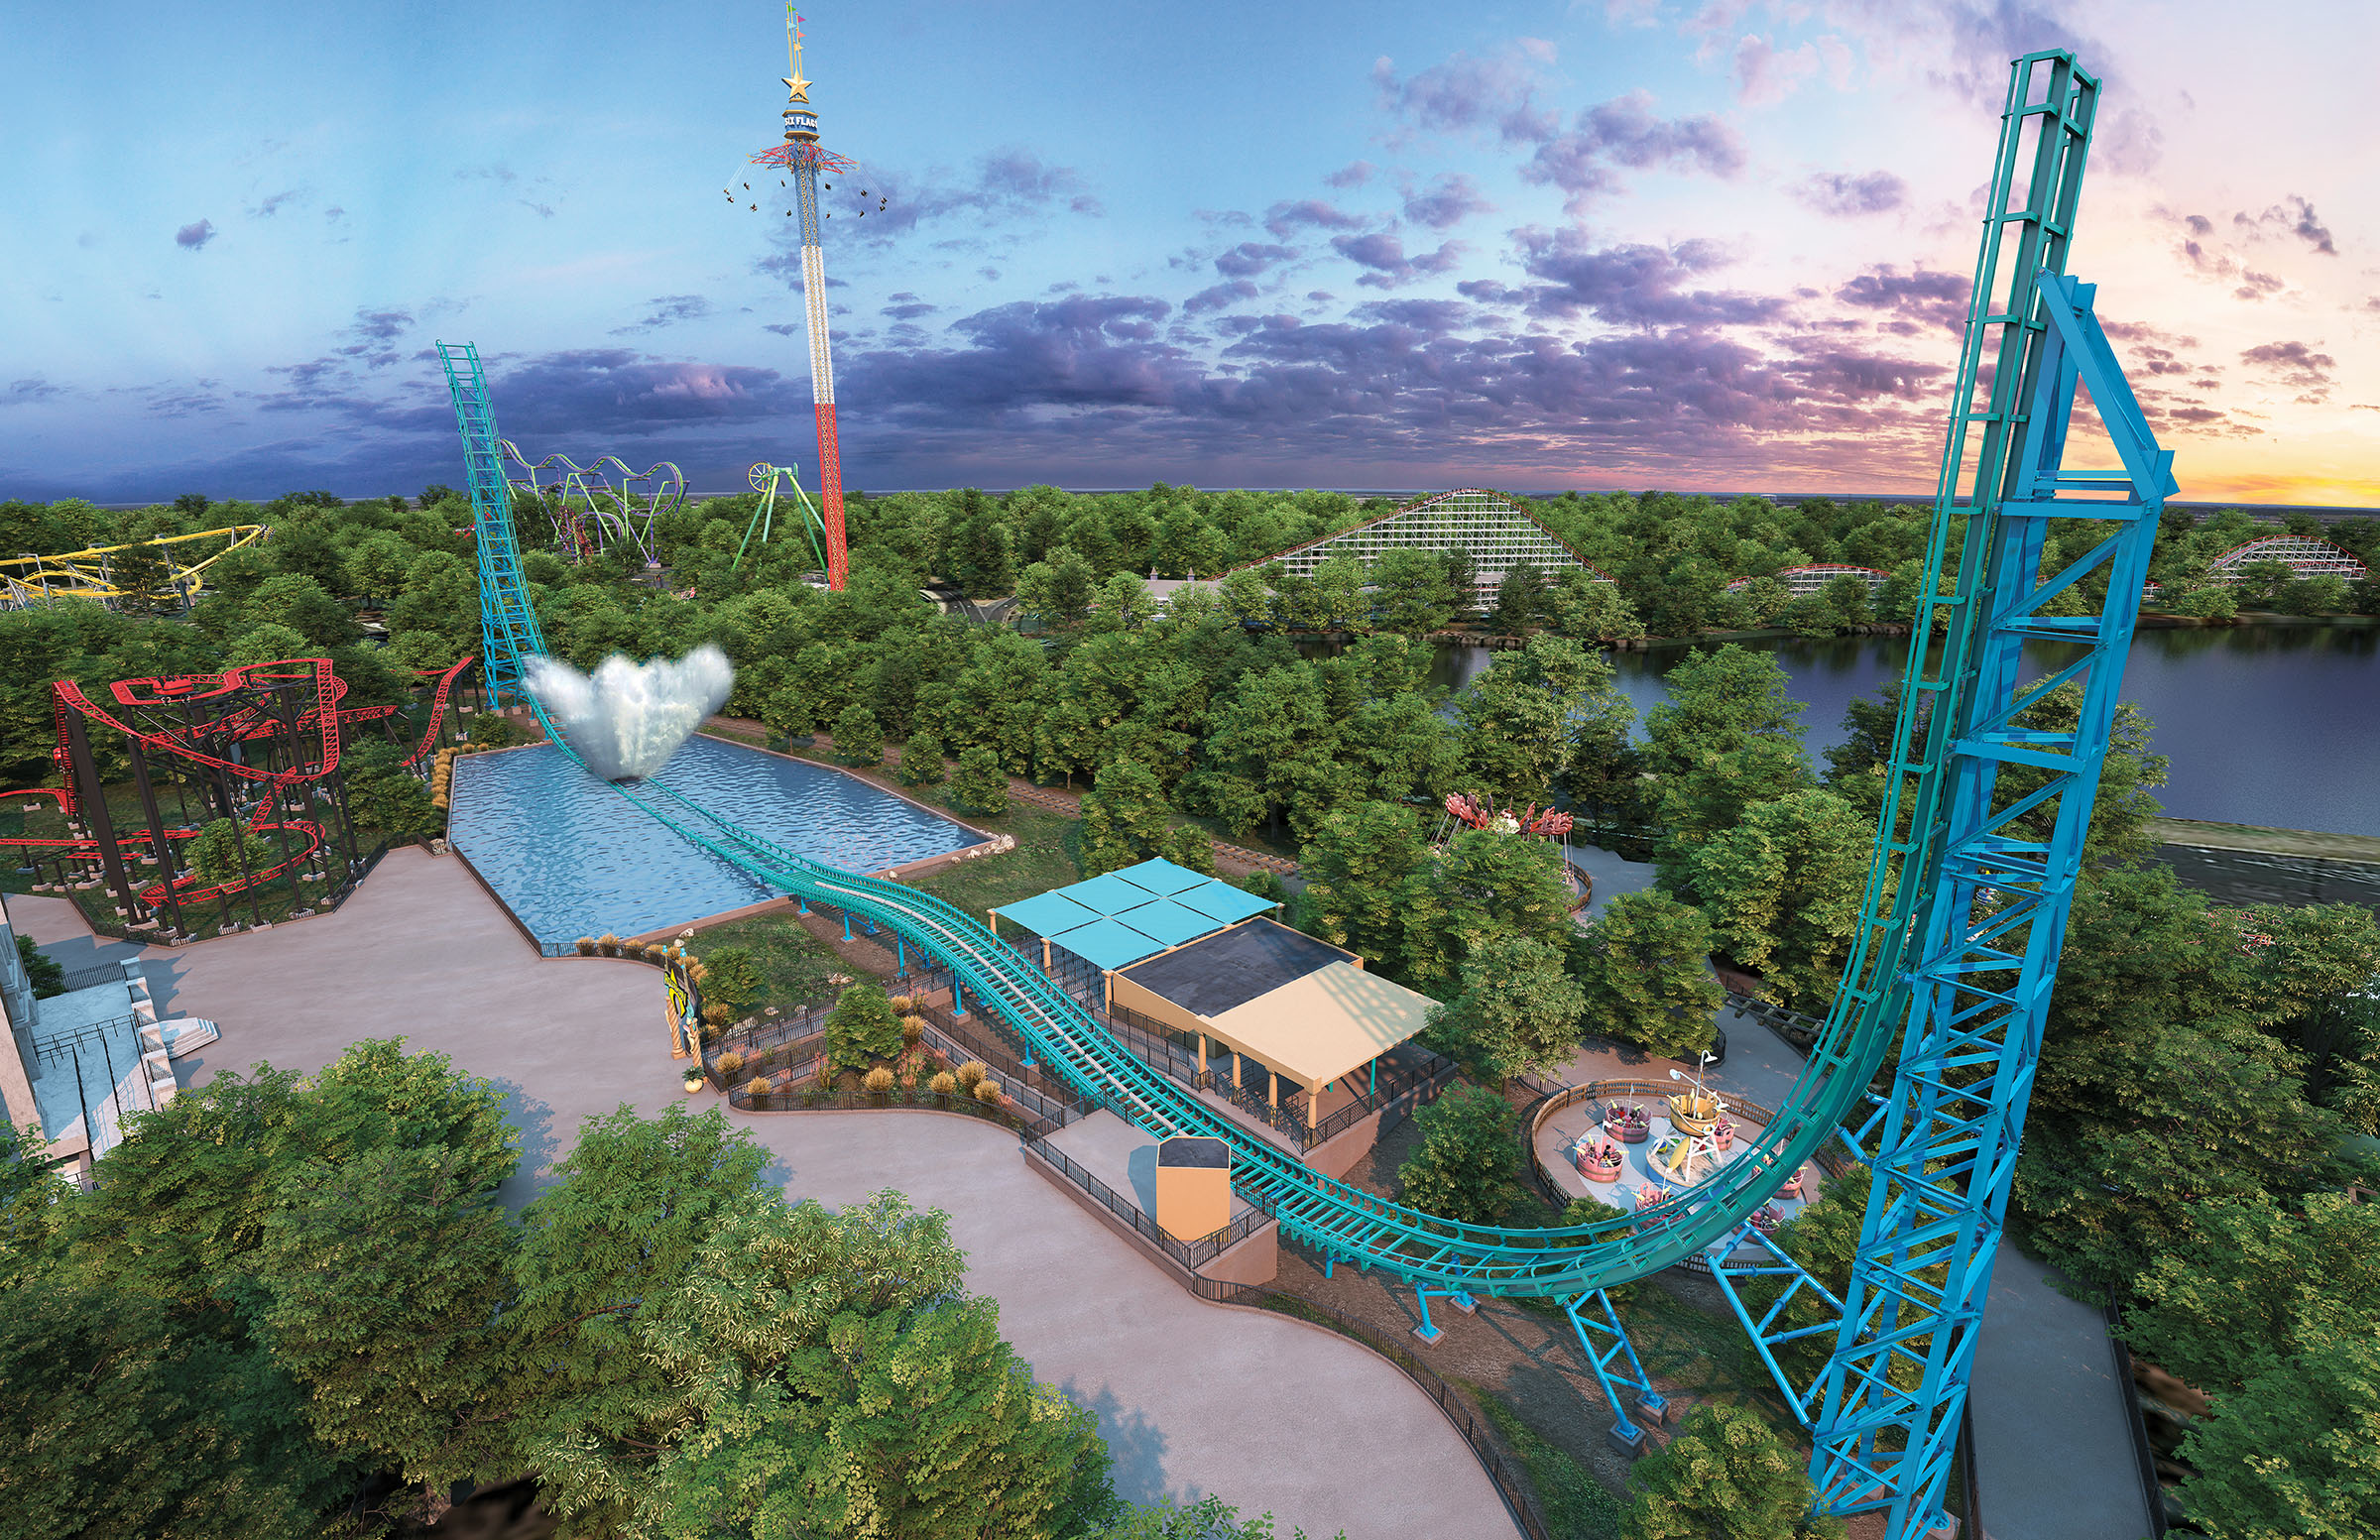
[1587, 608]
[826, 1374]
[858, 738]
[732, 977]
[1726, 1476]
[978, 551]
[1483, 886]
[1518, 598]
[43, 970]
[862, 1029]
[1124, 818]
[1411, 592]
[1057, 590]
[1355, 868]
[921, 760]
[1781, 890]
[981, 787]
[1645, 972]
[2267, 1281]
[215, 851]
[129, 1423]
[1464, 1168]
[1518, 1012]
[383, 1273]
[2295, 1452]
[143, 574]
[306, 607]
[267, 643]
[599, 1253]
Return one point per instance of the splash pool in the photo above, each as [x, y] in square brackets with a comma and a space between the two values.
[570, 857]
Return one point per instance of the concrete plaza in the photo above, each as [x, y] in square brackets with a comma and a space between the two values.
[1268, 1413]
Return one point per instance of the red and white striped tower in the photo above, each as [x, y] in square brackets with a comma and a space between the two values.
[802, 159]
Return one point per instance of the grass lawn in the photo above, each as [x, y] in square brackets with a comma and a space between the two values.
[1576, 1505]
[794, 962]
[1048, 855]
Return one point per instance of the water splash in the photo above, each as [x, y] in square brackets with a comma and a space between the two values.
[629, 718]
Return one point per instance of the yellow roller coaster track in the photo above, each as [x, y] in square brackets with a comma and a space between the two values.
[87, 575]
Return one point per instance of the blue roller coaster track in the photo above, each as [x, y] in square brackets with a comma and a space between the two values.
[1958, 939]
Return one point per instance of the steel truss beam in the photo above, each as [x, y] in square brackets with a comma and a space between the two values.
[508, 624]
[1980, 961]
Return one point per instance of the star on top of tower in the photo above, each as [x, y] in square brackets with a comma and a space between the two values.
[797, 88]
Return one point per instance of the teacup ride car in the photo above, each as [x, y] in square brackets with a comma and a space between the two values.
[1599, 1160]
[1627, 1122]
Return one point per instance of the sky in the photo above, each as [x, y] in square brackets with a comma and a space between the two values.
[1718, 246]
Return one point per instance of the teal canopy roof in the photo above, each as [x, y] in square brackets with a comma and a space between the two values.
[1119, 917]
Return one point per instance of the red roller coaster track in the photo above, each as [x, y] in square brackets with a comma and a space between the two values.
[325, 716]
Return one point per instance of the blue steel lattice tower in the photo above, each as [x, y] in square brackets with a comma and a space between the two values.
[1968, 953]
[507, 626]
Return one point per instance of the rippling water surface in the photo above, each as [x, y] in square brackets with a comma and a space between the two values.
[571, 857]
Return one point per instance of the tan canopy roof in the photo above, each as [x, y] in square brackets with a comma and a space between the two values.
[1317, 1029]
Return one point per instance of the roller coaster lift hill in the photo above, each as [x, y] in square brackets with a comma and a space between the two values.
[1958, 939]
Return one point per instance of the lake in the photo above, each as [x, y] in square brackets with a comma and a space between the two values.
[2272, 725]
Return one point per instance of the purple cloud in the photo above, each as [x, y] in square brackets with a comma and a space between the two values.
[1464, 93]
[1383, 252]
[1623, 132]
[1918, 300]
[1450, 198]
[193, 236]
[1250, 258]
[2294, 216]
[1634, 284]
[1224, 293]
[1840, 194]
[1353, 175]
[25, 393]
[667, 311]
[2295, 366]
[1285, 217]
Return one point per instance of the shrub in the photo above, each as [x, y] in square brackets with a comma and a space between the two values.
[879, 1081]
[214, 853]
[656, 953]
[757, 1084]
[943, 1084]
[858, 738]
[1464, 1167]
[586, 946]
[902, 1004]
[912, 1031]
[971, 1074]
[987, 1093]
[608, 944]
[717, 1015]
[735, 979]
[921, 760]
[731, 1064]
[981, 786]
[1726, 1476]
[862, 1028]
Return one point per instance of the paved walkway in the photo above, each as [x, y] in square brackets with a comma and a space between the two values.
[1268, 1413]
[2054, 1456]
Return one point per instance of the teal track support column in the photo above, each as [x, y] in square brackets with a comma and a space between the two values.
[847, 924]
[1605, 1342]
[900, 957]
[958, 1001]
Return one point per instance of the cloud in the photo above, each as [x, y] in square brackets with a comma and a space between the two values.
[1283, 217]
[667, 311]
[1224, 293]
[907, 308]
[785, 329]
[1250, 258]
[1841, 196]
[2293, 217]
[193, 236]
[614, 391]
[1623, 132]
[1450, 198]
[2294, 366]
[1353, 175]
[25, 392]
[1765, 75]
[2255, 286]
[1466, 93]
[272, 205]
[1634, 284]
[334, 214]
[1382, 254]
[1004, 187]
[1917, 299]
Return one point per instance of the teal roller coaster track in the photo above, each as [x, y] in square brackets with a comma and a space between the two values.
[1957, 938]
